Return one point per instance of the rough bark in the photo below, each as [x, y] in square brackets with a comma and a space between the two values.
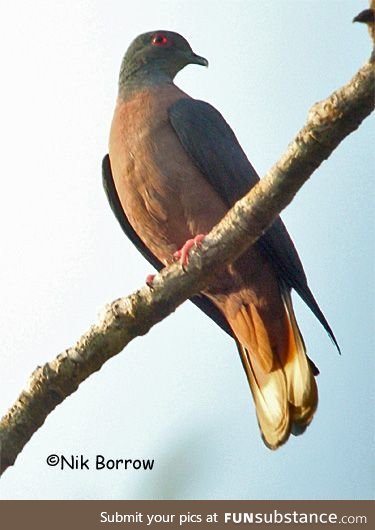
[329, 122]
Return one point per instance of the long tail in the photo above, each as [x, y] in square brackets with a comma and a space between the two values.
[281, 377]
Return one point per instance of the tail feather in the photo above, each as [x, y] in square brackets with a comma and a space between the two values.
[270, 396]
[302, 388]
[281, 376]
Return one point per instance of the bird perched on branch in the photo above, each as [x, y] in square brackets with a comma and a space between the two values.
[175, 167]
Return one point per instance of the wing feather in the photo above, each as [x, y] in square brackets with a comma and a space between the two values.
[215, 150]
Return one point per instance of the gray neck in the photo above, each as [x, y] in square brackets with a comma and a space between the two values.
[138, 76]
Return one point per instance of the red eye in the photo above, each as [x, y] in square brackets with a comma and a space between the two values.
[160, 40]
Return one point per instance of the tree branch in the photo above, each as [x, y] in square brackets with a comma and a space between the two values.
[329, 122]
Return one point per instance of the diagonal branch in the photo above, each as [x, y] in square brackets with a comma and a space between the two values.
[329, 122]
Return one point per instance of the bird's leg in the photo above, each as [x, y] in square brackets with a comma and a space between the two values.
[183, 253]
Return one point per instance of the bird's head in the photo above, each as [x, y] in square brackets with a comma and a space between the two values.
[157, 56]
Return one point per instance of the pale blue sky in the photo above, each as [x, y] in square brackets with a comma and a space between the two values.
[179, 394]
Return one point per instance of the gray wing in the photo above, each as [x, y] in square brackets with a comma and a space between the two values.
[215, 150]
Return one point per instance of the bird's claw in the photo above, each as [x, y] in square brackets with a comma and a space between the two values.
[183, 254]
[150, 280]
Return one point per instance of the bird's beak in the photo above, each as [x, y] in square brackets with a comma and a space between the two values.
[197, 59]
[366, 16]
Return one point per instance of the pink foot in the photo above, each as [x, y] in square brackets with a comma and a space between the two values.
[150, 279]
[183, 253]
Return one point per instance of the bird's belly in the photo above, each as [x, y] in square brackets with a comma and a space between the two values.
[166, 199]
[149, 211]
[166, 206]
